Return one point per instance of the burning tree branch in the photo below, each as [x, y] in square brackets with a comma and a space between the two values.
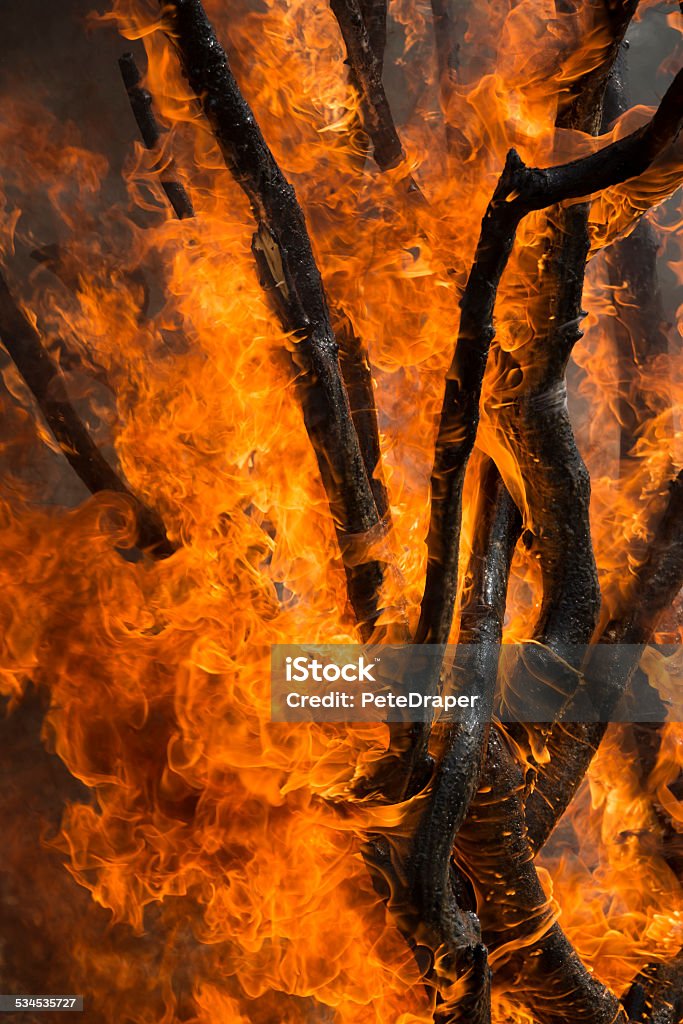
[493, 849]
[521, 190]
[572, 745]
[45, 381]
[481, 628]
[282, 250]
[365, 59]
[143, 112]
[464, 744]
[534, 419]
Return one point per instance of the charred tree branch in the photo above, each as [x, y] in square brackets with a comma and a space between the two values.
[493, 849]
[365, 60]
[534, 421]
[356, 371]
[521, 190]
[573, 744]
[656, 995]
[44, 379]
[141, 105]
[288, 270]
[457, 777]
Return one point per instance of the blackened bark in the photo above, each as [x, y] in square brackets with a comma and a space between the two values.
[536, 424]
[631, 263]
[141, 105]
[656, 995]
[520, 190]
[572, 745]
[357, 374]
[493, 849]
[363, 56]
[457, 776]
[288, 270]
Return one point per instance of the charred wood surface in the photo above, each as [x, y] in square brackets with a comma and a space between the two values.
[288, 271]
[457, 776]
[45, 380]
[493, 849]
[520, 190]
[656, 995]
[572, 745]
[535, 419]
[355, 367]
[363, 29]
[447, 947]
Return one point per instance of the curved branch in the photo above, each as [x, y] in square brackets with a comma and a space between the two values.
[481, 627]
[520, 190]
[572, 744]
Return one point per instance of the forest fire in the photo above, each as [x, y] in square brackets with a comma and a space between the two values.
[375, 350]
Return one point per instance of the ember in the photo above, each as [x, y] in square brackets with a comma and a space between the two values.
[326, 376]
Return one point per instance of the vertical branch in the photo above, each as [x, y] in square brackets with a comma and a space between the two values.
[357, 373]
[493, 849]
[481, 627]
[519, 191]
[289, 273]
[366, 65]
[353, 352]
[535, 420]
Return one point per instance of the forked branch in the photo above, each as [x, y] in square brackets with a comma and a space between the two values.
[520, 191]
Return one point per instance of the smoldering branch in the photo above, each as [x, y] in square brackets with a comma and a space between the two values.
[46, 382]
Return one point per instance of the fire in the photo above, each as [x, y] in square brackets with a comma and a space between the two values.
[208, 864]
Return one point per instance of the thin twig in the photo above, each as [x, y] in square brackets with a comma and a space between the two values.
[141, 105]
